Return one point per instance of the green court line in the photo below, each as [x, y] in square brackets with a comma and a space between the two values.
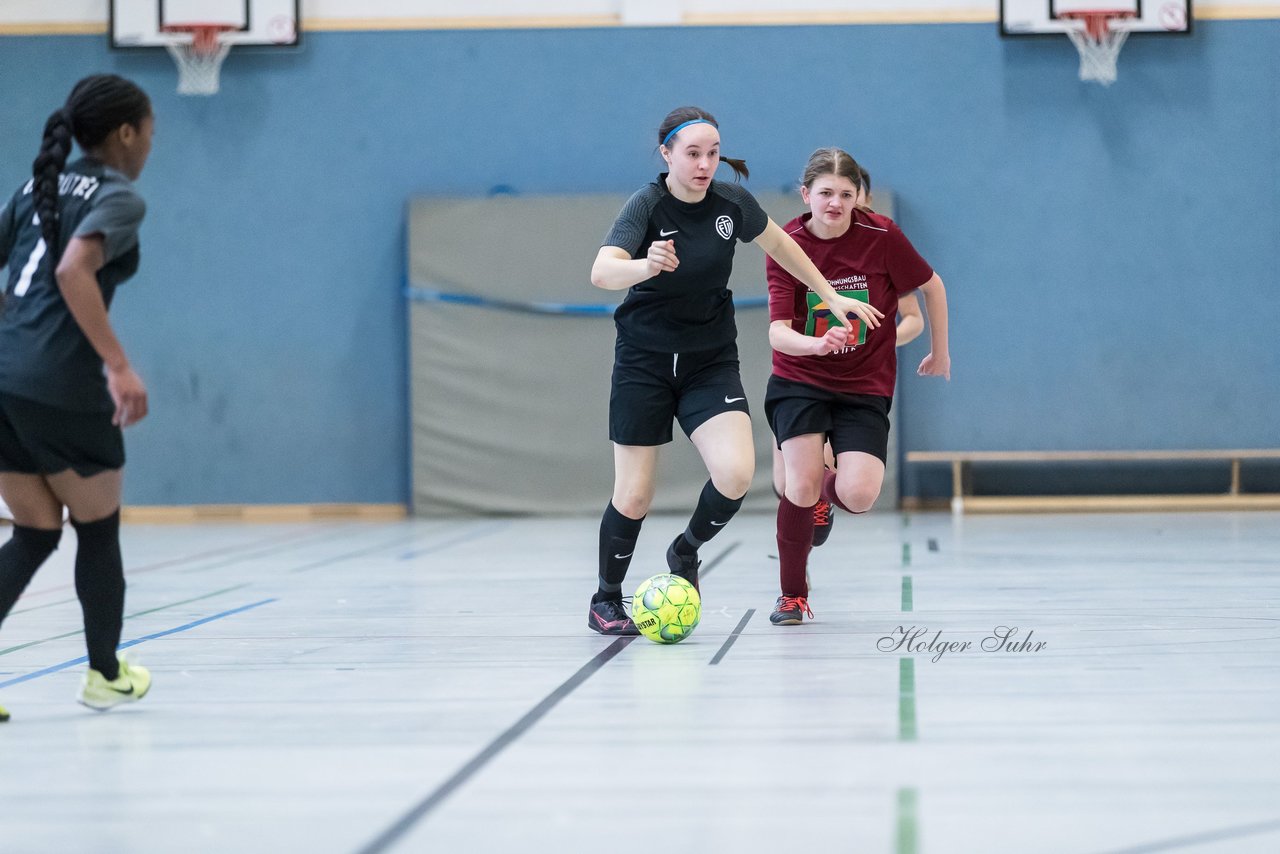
[128, 617]
[906, 699]
[907, 836]
[907, 828]
[45, 605]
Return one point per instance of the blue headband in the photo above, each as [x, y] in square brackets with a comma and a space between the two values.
[675, 130]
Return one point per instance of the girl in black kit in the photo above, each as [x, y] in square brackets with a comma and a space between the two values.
[69, 237]
[676, 354]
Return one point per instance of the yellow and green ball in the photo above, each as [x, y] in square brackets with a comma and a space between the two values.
[666, 609]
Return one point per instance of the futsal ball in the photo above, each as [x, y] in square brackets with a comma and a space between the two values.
[666, 608]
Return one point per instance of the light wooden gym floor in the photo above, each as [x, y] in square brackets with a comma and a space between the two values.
[432, 686]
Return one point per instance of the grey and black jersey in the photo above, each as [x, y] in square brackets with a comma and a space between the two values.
[44, 356]
[691, 308]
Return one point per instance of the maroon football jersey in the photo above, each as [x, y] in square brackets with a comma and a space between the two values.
[873, 261]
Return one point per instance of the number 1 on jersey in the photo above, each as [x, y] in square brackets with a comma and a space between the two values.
[37, 255]
[24, 280]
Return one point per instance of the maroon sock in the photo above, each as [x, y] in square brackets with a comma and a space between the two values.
[795, 539]
[829, 490]
[829, 493]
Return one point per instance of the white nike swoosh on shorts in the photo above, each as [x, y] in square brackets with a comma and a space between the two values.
[728, 399]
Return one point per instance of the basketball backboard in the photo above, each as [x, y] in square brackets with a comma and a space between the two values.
[1051, 17]
[142, 23]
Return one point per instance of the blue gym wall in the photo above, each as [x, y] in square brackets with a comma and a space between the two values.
[1110, 254]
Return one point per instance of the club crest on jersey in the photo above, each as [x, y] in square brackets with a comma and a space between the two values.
[724, 227]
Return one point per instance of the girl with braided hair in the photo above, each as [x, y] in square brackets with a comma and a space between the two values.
[69, 237]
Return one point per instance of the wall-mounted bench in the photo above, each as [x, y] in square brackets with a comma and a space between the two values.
[961, 486]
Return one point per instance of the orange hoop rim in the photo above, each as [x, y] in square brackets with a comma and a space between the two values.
[204, 37]
[1097, 22]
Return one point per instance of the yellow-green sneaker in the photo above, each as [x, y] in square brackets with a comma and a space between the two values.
[131, 685]
[4, 714]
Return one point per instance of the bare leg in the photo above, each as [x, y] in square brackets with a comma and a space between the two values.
[859, 477]
[635, 468]
[33, 503]
[803, 457]
[779, 472]
[88, 498]
[728, 452]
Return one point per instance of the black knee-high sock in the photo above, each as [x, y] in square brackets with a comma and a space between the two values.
[26, 550]
[100, 586]
[618, 535]
[710, 516]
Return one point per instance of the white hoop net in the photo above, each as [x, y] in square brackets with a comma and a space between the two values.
[1099, 45]
[199, 62]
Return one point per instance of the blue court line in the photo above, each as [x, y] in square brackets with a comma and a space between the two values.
[418, 293]
[127, 617]
[1198, 839]
[84, 659]
[466, 536]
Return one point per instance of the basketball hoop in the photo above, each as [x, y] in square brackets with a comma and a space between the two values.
[1098, 41]
[200, 59]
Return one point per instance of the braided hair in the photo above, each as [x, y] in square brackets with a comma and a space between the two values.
[96, 106]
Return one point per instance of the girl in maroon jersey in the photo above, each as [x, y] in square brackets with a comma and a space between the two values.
[910, 325]
[834, 382]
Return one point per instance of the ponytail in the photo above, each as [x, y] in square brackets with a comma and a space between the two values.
[48, 165]
[739, 167]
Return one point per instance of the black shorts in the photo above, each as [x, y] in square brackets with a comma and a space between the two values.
[649, 389]
[36, 438]
[853, 422]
